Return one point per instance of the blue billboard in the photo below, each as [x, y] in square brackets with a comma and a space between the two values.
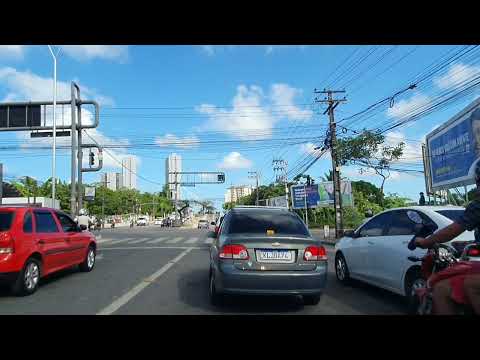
[320, 195]
[454, 148]
[298, 196]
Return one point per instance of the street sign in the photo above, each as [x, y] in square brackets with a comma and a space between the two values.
[192, 178]
[19, 116]
[89, 193]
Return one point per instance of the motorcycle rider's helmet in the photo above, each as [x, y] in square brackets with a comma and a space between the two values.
[82, 212]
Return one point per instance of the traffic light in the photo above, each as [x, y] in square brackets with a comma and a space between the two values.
[221, 178]
[92, 158]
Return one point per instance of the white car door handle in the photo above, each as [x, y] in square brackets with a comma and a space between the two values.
[371, 242]
[405, 242]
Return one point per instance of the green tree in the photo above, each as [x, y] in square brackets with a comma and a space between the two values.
[368, 150]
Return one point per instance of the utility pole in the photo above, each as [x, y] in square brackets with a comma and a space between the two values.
[254, 175]
[332, 104]
[54, 152]
[280, 168]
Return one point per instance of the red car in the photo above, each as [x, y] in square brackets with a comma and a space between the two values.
[35, 242]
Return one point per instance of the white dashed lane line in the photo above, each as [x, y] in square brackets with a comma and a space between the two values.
[175, 240]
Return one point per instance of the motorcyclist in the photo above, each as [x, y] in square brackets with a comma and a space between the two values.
[443, 290]
[83, 219]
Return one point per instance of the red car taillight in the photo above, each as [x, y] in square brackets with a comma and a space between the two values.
[473, 252]
[6, 243]
[234, 252]
[315, 253]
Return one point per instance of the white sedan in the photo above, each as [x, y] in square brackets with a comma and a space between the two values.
[377, 251]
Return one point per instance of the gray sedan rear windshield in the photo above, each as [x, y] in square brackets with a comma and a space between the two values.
[258, 222]
[453, 215]
[6, 218]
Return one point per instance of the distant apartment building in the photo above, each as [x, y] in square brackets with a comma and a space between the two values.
[112, 180]
[234, 193]
[173, 164]
[129, 172]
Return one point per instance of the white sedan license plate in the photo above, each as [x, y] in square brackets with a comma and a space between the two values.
[283, 256]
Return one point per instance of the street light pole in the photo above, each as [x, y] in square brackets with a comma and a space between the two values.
[54, 123]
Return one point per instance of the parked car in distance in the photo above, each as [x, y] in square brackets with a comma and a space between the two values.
[266, 251]
[376, 252]
[36, 242]
[202, 224]
[158, 222]
[142, 221]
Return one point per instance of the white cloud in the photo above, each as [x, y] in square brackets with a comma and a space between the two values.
[88, 52]
[12, 51]
[248, 119]
[253, 114]
[27, 86]
[308, 148]
[235, 160]
[408, 106]
[211, 50]
[283, 97]
[412, 151]
[457, 74]
[170, 140]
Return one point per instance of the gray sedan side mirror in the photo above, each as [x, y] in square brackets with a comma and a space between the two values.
[349, 233]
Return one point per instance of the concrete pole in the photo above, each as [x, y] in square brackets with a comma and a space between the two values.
[54, 153]
[73, 197]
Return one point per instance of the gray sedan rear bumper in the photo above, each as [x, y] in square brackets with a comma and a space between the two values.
[230, 280]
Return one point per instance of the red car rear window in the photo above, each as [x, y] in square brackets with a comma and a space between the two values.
[6, 219]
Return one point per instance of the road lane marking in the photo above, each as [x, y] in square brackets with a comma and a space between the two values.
[121, 241]
[139, 240]
[129, 295]
[156, 241]
[176, 240]
[99, 257]
[209, 241]
[192, 240]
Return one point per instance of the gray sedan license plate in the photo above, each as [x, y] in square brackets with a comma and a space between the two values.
[275, 256]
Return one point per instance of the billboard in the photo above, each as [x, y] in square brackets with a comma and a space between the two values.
[454, 148]
[320, 195]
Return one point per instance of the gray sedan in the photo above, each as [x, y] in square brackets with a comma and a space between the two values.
[266, 251]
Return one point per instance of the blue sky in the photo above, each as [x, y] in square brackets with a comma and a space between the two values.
[184, 98]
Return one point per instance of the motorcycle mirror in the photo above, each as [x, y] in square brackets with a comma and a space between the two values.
[413, 215]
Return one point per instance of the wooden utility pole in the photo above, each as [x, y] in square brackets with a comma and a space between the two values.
[332, 104]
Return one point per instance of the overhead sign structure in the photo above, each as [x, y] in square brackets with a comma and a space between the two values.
[20, 116]
[192, 178]
[454, 149]
[320, 195]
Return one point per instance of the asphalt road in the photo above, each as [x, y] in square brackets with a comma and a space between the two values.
[153, 270]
